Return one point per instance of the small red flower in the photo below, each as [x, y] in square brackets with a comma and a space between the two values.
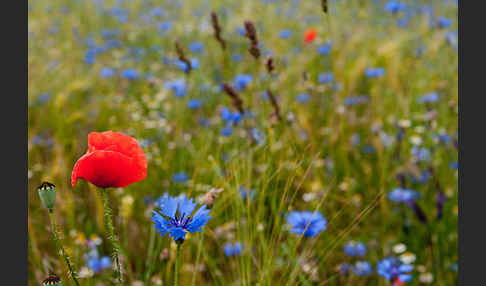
[310, 35]
[113, 160]
[398, 282]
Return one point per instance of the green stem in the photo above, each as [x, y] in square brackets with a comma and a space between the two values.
[111, 235]
[193, 282]
[59, 245]
[148, 261]
[178, 256]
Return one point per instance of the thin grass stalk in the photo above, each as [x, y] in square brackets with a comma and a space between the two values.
[59, 245]
[148, 261]
[199, 247]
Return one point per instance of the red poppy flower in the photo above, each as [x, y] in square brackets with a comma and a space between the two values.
[398, 282]
[310, 35]
[113, 160]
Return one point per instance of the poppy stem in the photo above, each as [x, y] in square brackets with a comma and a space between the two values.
[111, 234]
[178, 256]
[59, 245]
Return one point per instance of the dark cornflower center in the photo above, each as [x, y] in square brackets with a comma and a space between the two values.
[180, 221]
[306, 224]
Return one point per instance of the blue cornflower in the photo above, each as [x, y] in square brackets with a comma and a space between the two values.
[368, 149]
[451, 37]
[117, 11]
[97, 264]
[421, 154]
[264, 95]
[129, 74]
[429, 97]
[325, 77]
[443, 22]
[454, 165]
[324, 49]
[362, 268]
[176, 217]
[108, 34]
[204, 122]
[229, 117]
[302, 98]
[257, 135]
[392, 268]
[245, 193]
[394, 7]
[403, 22]
[147, 200]
[285, 34]
[90, 57]
[164, 26]
[355, 139]
[194, 104]
[444, 138]
[344, 268]
[241, 31]
[177, 86]
[237, 57]
[355, 248]
[157, 12]
[43, 97]
[113, 44]
[226, 131]
[107, 72]
[400, 195]
[37, 140]
[226, 114]
[53, 30]
[353, 100]
[232, 249]
[196, 47]
[422, 178]
[306, 223]
[183, 66]
[180, 177]
[241, 81]
[374, 72]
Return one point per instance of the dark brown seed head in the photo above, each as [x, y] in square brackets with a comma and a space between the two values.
[269, 65]
[237, 102]
[46, 186]
[250, 31]
[51, 280]
[254, 51]
[182, 56]
[324, 6]
[274, 104]
[217, 30]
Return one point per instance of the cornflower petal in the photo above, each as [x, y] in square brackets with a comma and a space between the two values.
[186, 206]
[159, 223]
[177, 233]
[168, 205]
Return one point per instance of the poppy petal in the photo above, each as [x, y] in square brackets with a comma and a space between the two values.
[108, 169]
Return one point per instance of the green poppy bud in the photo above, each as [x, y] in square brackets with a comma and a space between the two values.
[52, 280]
[47, 194]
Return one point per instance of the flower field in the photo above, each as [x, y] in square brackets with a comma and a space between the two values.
[259, 142]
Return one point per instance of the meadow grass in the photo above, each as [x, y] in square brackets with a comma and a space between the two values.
[309, 160]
